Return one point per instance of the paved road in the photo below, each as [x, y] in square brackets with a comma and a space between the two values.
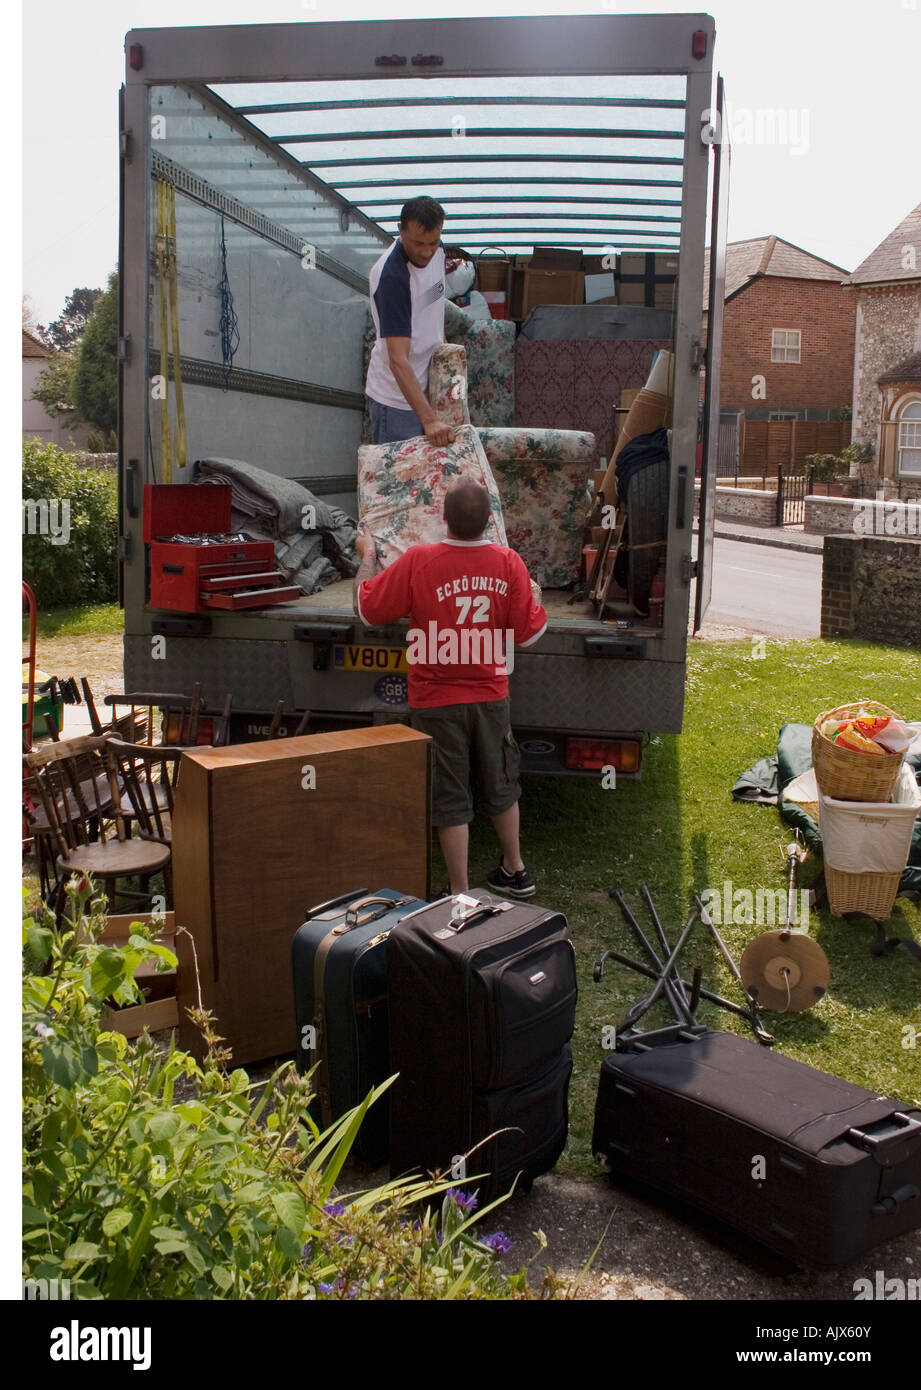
[765, 589]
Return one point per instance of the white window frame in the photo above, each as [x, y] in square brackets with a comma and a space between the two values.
[786, 344]
[783, 415]
[908, 437]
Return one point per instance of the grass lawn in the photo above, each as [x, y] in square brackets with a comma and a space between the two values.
[95, 620]
[679, 831]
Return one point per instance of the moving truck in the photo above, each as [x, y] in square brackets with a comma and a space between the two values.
[288, 150]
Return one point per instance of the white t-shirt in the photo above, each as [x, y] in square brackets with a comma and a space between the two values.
[407, 301]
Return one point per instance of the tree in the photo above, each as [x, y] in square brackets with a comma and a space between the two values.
[67, 330]
[54, 387]
[95, 381]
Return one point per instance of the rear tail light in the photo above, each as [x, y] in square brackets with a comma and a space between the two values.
[593, 754]
[172, 732]
[205, 729]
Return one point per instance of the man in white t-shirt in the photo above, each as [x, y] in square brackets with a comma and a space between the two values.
[408, 307]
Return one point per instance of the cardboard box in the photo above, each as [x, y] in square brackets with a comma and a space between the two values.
[647, 278]
[556, 258]
[162, 1008]
[532, 287]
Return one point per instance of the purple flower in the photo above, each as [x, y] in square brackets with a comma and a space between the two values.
[499, 1243]
[334, 1208]
[465, 1200]
[307, 1251]
[326, 1288]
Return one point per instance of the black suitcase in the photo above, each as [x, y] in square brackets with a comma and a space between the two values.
[338, 960]
[809, 1165]
[482, 1008]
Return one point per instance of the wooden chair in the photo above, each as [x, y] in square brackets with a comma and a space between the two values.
[130, 726]
[275, 725]
[180, 714]
[78, 811]
[94, 792]
[149, 777]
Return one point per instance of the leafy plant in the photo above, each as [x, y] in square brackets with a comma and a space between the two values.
[54, 387]
[858, 453]
[826, 468]
[105, 443]
[149, 1176]
[82, 570]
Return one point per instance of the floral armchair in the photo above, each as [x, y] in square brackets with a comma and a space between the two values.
[538, 479]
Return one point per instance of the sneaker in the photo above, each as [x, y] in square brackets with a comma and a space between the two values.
[445, 893]
[518, 885]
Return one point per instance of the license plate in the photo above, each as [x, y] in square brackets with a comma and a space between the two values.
[376, 659]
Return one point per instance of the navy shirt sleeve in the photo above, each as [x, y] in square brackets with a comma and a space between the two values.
[393, 300]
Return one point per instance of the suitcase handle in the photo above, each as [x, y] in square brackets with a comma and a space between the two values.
[334, 902]
[899, 1127]
[475, 915]
[352, 918]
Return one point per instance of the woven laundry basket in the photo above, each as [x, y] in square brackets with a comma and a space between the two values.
[866, 847]
[847, 774]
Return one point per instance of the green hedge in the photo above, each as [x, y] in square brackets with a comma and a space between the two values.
[82, 568]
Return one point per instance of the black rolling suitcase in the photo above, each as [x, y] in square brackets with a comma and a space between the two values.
[338, 960]
[811, 1166]
[482, 1007]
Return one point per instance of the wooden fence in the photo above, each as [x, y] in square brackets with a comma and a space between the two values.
[767, 445]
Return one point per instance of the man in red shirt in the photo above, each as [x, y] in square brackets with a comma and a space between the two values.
[468, 602]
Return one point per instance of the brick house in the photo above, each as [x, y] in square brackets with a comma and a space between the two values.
[788, 333]
[887, 354]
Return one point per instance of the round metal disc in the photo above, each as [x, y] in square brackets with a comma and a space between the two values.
[786, 971]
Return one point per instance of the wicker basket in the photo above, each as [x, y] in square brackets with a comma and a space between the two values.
[871, 893]
[846, 773]
[801, 792]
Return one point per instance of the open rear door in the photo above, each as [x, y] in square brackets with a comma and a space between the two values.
[712, 359]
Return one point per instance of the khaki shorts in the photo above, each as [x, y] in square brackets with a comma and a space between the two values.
[473, 744]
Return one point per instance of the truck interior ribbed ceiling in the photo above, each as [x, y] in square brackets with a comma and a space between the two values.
[584, 162]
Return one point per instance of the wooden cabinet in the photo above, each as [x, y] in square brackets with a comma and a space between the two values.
[261, 832]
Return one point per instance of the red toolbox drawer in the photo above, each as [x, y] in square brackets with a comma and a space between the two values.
[193, 567]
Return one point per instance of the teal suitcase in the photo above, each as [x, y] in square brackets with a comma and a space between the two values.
[339, 966]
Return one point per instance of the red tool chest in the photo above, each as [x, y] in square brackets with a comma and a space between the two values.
[195, 563]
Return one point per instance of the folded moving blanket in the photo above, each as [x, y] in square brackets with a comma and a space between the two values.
[314, 542]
